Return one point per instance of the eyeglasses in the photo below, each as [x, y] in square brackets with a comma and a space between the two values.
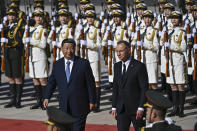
[121, 51]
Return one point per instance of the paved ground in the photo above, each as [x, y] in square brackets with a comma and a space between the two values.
[102, 117]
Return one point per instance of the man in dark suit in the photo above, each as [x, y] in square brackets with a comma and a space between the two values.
[76, 85]
[130, 85]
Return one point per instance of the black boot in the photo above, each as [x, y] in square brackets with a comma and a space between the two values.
[12, 102]
[19, 90]
[181, 103]
[98, 94]
[169, 92]
[43, 93]
[38, 91]
[175, 101]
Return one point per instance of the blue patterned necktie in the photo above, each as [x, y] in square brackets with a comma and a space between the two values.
[68, 71]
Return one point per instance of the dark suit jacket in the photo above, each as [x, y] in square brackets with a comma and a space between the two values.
[131, 91]
[79, 92]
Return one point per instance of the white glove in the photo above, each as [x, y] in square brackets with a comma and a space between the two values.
[54, 19]
[128, 15]
[3, 40]
[164, 29]
[132, 20]
[80, 27]
[53, 13]
[108, 28]
[26, 27]
[110, 42]
[27, 40]
[159, 19]
[83, 42]
[195, 46]
[27, 18]
[30, 14]
[54, 43]
[137, 28]
[102, 13]
[52, 23]
[139, 43]
[189, 36]
[76, 16]
[1, 26]
[167, 44]
[53, 28]
[5, 19]
[105, 21]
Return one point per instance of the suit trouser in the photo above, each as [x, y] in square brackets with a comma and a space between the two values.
[124, 120]
[80, 121]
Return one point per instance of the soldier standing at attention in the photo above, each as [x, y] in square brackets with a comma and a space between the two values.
[93, 42]
[150, 47]
[62, 32]
[14, 57]
[176, 79]
[38, 66]
[157, 106]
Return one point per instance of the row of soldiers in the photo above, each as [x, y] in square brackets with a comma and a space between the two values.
[164, 42]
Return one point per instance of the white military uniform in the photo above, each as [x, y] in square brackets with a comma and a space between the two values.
[141, 28]
[169, 28]
[189, 17]
[176, 58]
[151, 45]
[38, 63]
[119, 34]
[62, 32]
[93, 44]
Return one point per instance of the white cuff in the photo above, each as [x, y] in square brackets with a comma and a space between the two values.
[113, 109]
[169, 120]
[140, 108]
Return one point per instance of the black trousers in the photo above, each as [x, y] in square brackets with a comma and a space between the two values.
[124, 121]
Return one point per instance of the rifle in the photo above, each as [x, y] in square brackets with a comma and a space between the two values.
[195, 56]
[54, 37]
[106, 48]
[110, 52]
[139, 47]
[159, 53]
[190, 44]
[82, 38]
[27, 51]
[132, 33]
[102, 17]
[3, 51]
[167, 53]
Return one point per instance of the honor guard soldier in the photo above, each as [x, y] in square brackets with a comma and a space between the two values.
[188, 15]
[175, 48]
[61, 32]
[194, 62]
[14, 55]
[15, 5]
[38, 63]
[165, 26]
[161, 16]
[60, 2]
[82, 7]
[58, 120]
[150, 46]
[137, 20]
[157, 106]
[113, 35]
[93, 46]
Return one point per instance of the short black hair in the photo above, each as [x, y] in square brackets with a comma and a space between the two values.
[69, 40]
[127, 44]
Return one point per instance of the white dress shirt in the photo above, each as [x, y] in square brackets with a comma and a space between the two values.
[71, 63]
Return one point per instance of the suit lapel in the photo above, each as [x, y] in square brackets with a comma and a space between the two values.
[63, 70]
[129, 70]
